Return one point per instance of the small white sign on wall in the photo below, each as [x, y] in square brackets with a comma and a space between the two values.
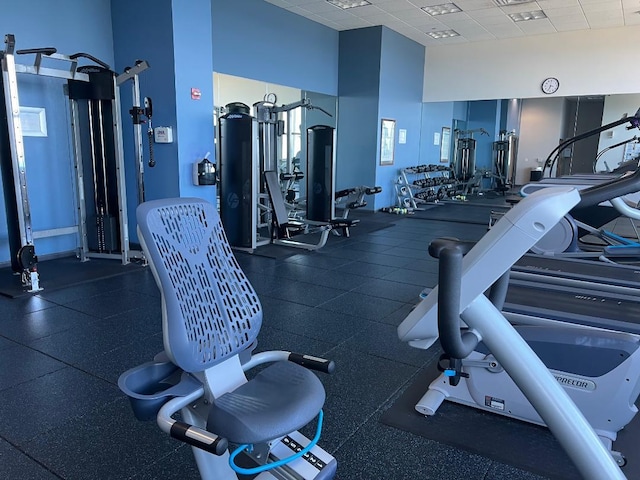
[436, 138]
[33, 122]
[402, 135]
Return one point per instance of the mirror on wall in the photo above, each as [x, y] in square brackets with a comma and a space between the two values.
[540, 124]
[304, 109]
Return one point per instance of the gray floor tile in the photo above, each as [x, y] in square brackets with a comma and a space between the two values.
[43, 323]
[21, 364]
[360, 305]
[304, 293]
[15, 464]
[52, 401]
[401, 292]
[104, 443]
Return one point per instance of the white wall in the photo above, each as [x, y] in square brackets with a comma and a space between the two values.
[587, 62]
[615, 106]
[540, 132]
[228, 88]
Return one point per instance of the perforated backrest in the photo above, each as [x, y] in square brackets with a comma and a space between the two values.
[210, 310]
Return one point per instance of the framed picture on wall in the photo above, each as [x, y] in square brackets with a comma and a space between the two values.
[387, 141]
[445, 144]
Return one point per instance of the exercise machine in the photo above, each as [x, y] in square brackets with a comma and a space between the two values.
[248, 146]
[354, 198]
[285, 228]
[94, 104]
[211, 317]
[505, 155]
[466, 273]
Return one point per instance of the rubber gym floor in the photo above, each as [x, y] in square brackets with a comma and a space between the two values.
[63, 416]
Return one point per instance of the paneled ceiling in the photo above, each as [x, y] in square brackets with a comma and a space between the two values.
[476, 20]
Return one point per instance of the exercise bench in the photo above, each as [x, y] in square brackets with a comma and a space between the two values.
[285, 228]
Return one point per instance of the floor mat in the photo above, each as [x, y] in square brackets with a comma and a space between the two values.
[526, 446]
[65, 272]
[460, 213]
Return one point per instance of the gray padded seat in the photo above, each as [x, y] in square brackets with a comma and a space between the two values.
[282, 398]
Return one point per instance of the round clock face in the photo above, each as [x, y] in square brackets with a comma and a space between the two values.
[550, 85]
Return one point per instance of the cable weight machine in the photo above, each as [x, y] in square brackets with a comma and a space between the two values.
[248, 146]
[94, 105]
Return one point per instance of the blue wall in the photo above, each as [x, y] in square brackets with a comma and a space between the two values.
[257, 40]
[175, 39]
[401, 84]
[359, 87]
[71, 26]
[434, 116]
[193, 57]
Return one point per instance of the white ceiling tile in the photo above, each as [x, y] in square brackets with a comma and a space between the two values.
[537, 26]
[593, 2]
[366, 11]
[563, 12]
[434, 27]
[604, 24]
[419, 20]
[497, 21]
[609, 16]
[544, 4]
[319, 7]
[487, 13]
[336, 16]
[480, 36]
[519, 8]
[602, 7]
[409, 14]
[396, 6]
[559, 21]
[470, 5]
[353, 22]
[567, 27]
[479, 19]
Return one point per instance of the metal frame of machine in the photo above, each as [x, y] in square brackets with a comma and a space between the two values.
[23, 256]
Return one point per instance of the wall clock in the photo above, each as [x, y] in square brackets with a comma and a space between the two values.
[550, 85]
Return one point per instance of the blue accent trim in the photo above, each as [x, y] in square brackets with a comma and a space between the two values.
[279, 463]
[624, 241]
[449, 373]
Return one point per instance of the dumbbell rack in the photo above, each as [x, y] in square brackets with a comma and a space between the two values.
[423, 184]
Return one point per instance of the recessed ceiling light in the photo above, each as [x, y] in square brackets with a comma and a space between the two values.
[506, 3]
[442, 9]
[524, 16]
[443, 34]
[345, 4]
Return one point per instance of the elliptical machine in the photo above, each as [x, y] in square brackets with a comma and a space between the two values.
[512, 379]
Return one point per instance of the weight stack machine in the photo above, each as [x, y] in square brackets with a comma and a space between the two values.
[465, 166]
[505, 151]
[238, 151]
[320, 173]
[95, 117]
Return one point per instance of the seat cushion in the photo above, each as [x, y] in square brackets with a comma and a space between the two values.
[280, 399]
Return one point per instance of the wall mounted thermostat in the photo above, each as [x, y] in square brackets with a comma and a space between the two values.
[163, 135]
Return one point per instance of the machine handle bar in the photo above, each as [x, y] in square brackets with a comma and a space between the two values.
[197, 437]
[185, 432]
[90, 57]
[615, 188]
[43, 51]
[313, 363]
[456, 343]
